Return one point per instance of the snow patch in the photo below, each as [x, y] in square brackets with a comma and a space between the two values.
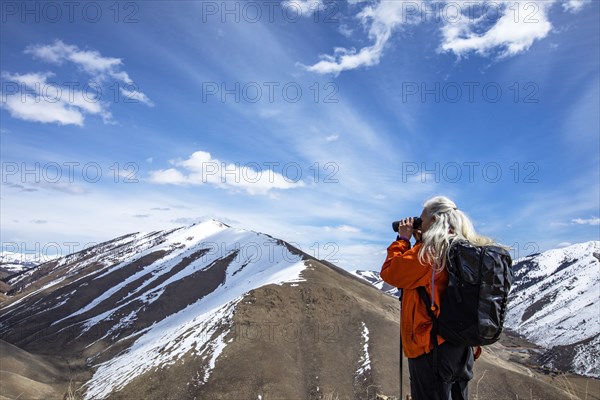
[202, 327]
[554, 302]
[365, 359]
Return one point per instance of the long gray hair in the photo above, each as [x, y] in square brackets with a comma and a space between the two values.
[449, 223]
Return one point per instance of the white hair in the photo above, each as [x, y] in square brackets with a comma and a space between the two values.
[449, 223]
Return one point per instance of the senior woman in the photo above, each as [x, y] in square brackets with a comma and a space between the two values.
[424, 264]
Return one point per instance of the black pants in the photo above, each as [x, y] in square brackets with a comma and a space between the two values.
[455, 370]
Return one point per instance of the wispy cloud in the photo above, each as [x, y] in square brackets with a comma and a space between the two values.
[343, 228]
[187, 220]
[195, 220]
[269, 113]
[304, 8]
[575, 5]
[90, 61]
[30, 100]
[201, 168]
[136, 96]
[515, 31]
[345, 30]
[381, 20]
[32, 97]
[511, 28]
[586, 221]
[63, 187]
[19, 186]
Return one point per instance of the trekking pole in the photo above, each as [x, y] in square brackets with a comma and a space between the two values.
[400, 300]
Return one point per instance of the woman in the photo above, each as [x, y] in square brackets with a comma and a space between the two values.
[425, 265]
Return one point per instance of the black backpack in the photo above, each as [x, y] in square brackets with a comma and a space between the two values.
[473, 307]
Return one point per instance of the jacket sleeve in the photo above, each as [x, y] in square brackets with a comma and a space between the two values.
[402, 268]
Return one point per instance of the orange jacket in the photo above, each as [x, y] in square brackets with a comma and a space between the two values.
[402, 269]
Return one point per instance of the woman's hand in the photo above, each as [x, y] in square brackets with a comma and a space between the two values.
[405, 228]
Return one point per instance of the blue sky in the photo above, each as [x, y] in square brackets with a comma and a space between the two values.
[318, 123]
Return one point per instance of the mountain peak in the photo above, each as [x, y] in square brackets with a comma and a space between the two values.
[554, 304]
[138, 307]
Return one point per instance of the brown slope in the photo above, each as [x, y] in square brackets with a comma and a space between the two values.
[305, 342]
[293, 342]
[27, 376]
[497, 376]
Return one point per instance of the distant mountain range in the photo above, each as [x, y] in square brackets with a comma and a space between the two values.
[12, 262]
[209, 311]
[374, 279]
[555, 303]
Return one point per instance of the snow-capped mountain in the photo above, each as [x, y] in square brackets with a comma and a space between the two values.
[173, 305]
[209, 311]
[374, 279]
[130, 275]
[554, 303]
[12, 262]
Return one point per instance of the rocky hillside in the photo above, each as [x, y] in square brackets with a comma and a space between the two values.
[217, 312]
[554, 304]
[212, 312]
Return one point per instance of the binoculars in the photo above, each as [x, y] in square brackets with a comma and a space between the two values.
[416, 224]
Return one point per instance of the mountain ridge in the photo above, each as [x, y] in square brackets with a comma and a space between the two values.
[210, 311]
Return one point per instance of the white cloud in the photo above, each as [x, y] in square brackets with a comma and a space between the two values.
[563, 244]
[484, 28]
[357, 256]
[201, 168]
[136, 96]
[342, 228]
[575, 5]
[332, 138]
[345, 30]
[519, 25]
[31, 80]
[30, 110]
[90, 61]
[187, 220]
[382, 19]
[588, 221]
[31, 97]
[35, 99]
[303, 8]
[168, 176]
[64, 187]
[269, 113]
